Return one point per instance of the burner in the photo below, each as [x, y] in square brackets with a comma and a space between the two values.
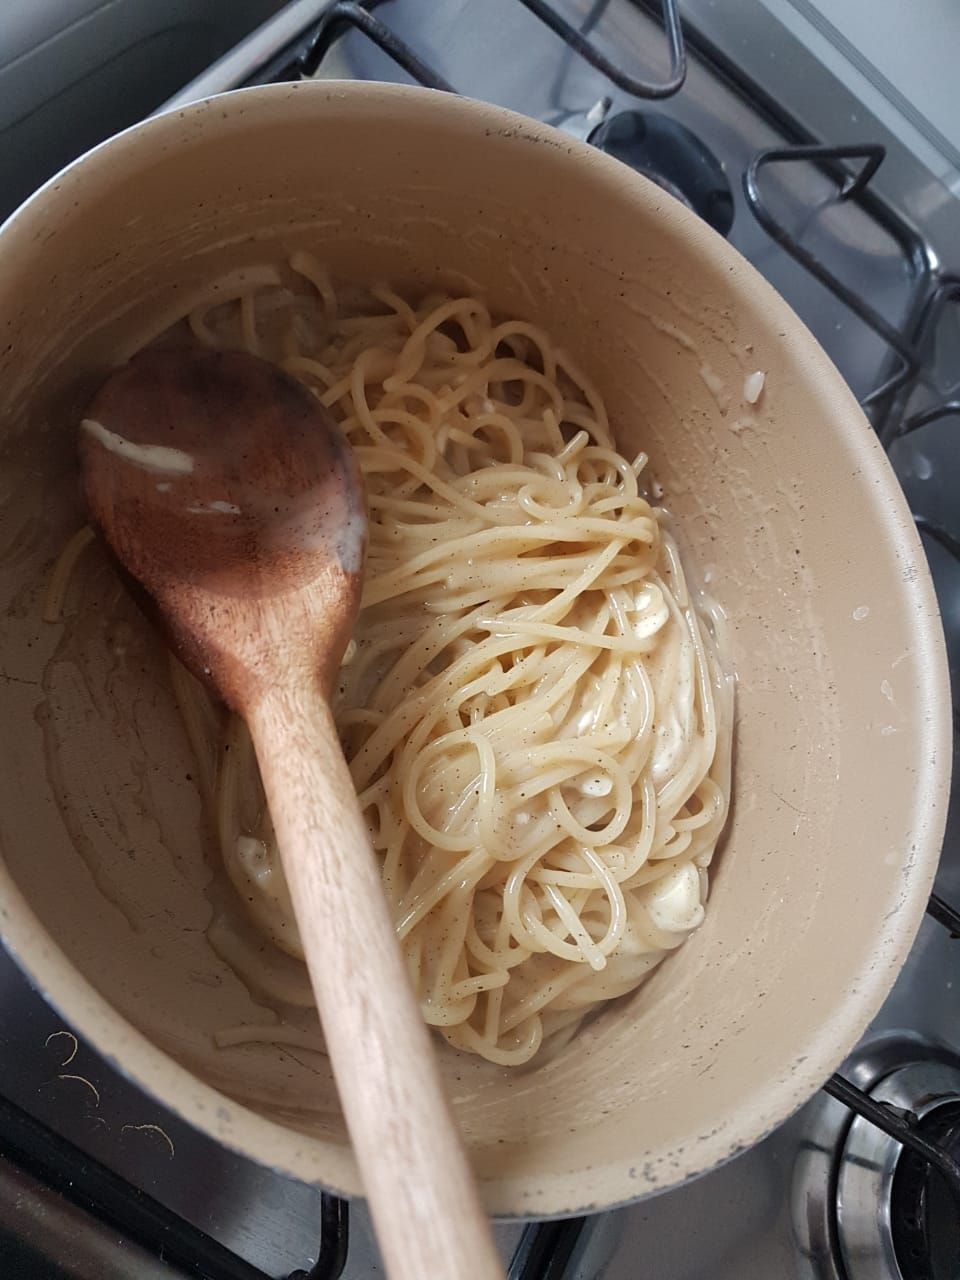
[673, 157]
[864, 1207]
[892, 1209]
[926, 1216]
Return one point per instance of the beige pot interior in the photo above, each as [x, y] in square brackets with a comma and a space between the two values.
[842, 739]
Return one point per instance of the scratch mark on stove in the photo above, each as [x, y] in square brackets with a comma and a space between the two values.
[151, 1128]
[71, 1037]
[84, 1081]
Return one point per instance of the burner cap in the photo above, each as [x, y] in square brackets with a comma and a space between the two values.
[673, 157]
[891, 1213]
[924, 1216]
[863, 1206]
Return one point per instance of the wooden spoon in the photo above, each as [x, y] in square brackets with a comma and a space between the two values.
[228, 491]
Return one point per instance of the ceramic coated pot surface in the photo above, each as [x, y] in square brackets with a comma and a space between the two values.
[843, 746]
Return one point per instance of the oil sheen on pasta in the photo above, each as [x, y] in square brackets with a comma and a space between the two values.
[534, 709]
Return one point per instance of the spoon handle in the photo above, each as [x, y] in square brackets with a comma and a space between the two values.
[425, 1206]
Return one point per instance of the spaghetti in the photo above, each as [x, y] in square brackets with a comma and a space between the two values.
[534, 710]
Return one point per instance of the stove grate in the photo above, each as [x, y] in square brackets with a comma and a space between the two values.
[577, 41]
[903, 1126]
[358, 14]
[83, 1180]
[850, 186]
[346, 14]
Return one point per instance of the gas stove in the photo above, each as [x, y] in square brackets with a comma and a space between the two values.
[760, 118]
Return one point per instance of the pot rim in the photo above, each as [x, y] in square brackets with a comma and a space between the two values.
[294, 1154]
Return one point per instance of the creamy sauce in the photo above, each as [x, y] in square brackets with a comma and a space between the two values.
[351, 542]
[753, 386]
[674, 904]
[151, 457]
[213, 508]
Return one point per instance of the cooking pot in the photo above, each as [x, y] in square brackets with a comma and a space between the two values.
[783, 501]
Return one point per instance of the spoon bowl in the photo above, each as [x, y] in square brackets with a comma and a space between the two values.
[221, 484]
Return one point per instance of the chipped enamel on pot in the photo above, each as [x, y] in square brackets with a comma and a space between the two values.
[783, 500]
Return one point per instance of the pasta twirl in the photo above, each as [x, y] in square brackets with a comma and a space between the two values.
[534, 708]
